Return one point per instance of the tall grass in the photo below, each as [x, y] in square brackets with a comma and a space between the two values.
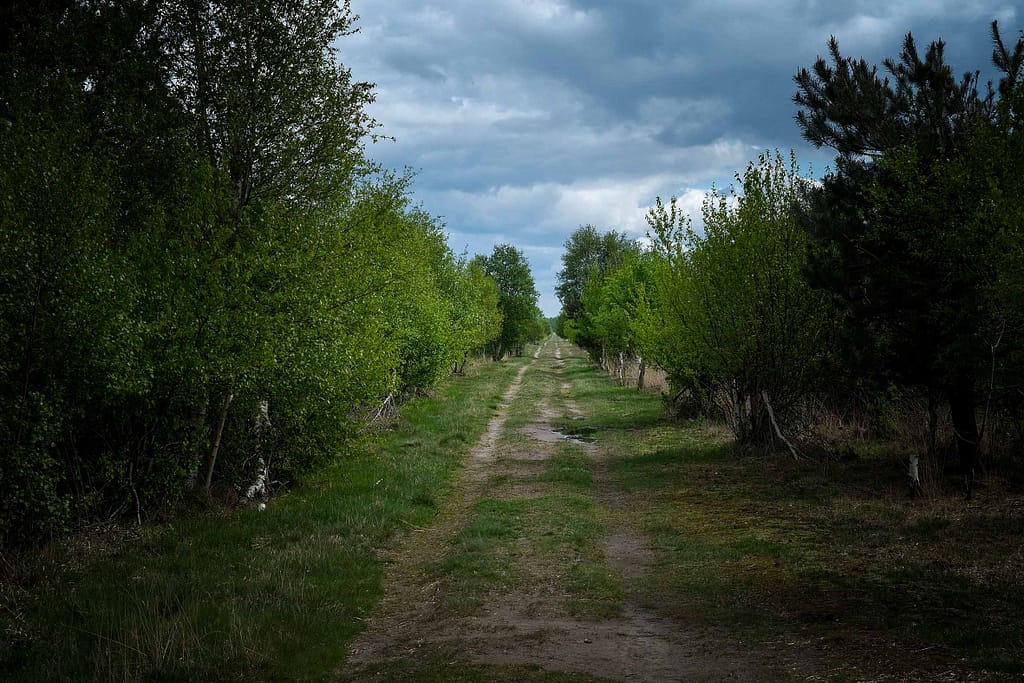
[823, 565]
[243, 594]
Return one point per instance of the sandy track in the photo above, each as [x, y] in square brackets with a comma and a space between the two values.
[533, 626]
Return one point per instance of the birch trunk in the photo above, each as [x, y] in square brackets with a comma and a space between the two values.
[914, 474]
[914, 463]
[775, 424]
[260, 429]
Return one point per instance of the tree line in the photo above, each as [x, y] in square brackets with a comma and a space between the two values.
[900, 273]
[205, 281]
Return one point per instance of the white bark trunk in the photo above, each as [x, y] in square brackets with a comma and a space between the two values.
[778, 432]
[914, 473]
[259, 486]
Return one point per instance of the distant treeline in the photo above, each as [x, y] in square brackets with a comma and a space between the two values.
[900, 274]
[204, 281]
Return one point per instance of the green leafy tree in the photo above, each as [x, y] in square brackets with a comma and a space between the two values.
[748, 330]
[517, 298]
[589, 255]
[615, 308]
[477, 313]
[82, 114]
[186, 233]
[279, 122]
[895, 226]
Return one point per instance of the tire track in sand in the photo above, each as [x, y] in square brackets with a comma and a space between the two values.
[402, 621]
[532, 626]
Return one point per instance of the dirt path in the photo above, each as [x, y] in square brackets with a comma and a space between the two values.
[536, 613]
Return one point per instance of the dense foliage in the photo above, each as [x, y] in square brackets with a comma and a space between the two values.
[204, 282]
[915, 228]
[736, 323]
[589, 257]
[521, 319]
[898, 273]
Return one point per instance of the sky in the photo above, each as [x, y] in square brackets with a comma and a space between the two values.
[524, 119]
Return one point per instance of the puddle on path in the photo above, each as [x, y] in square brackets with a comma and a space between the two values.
[578, 434]
[546, 433]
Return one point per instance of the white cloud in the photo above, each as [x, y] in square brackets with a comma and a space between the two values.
[548, 212]
[547, 208]
[527, 118]
[549, 16]
[865, 32]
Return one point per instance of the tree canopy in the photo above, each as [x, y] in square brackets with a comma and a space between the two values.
[735, 321]
[903, 228]
[517, 299]
[203, 277]
[588, 257]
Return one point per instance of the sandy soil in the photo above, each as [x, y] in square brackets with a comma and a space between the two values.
[533, 626]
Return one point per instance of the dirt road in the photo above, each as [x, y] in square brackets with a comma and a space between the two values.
[529, 572]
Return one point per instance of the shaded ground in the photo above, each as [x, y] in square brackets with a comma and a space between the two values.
[530, 571]
[589, 539]
[543, 524]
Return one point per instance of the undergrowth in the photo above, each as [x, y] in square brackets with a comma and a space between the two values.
[243, 594]
[816, 560]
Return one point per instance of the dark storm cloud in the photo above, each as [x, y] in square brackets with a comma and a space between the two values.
[526, 118]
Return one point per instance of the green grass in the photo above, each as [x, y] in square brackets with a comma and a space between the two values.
[825, 565]
[242, 594]
[830, 558]
[568, 467]
[826, 561]
[549, 541]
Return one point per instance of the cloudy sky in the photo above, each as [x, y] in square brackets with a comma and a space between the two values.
[525, 119]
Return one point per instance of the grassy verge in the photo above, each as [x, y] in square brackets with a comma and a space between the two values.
[826, 566]
[243, 594]
[822, 567]
[535, 530]
[786, 552]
